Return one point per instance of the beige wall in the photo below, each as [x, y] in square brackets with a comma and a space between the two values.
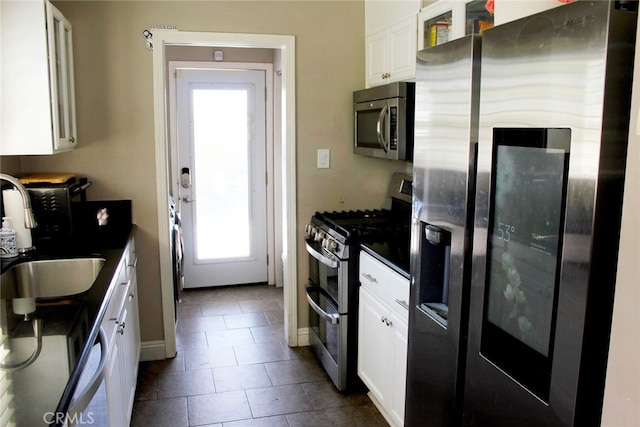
[10, 164]
[113, 73]
[622, 388]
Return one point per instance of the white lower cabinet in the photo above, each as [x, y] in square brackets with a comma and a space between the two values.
[382, 336]
[113, 377]
[398, 369]
[130, 351]
[373, 345]
[124, 354]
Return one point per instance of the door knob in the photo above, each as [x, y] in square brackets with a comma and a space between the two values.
[187, 199]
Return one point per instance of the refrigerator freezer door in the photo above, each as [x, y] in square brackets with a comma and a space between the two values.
[446, 117]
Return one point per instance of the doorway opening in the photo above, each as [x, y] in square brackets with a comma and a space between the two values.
[284, 163]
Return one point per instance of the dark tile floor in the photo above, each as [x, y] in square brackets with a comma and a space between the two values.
[234, 368]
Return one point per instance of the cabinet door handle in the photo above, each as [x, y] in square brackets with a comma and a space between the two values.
[370, 277]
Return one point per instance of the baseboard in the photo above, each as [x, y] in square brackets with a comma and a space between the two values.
[152, 350]
[303, 337]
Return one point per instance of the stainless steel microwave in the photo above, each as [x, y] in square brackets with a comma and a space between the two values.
[383, 121]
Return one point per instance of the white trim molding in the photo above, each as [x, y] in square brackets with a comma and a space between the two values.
[152, 350]
[303, 337]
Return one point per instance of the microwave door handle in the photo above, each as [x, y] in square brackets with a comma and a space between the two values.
[379, 129]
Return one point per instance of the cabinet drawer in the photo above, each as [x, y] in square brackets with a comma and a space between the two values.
[398, 294]
[116, 303]
[373, 275]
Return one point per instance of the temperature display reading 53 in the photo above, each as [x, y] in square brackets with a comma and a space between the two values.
[504, 231]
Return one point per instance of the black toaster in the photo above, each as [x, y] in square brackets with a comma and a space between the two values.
[52, 207]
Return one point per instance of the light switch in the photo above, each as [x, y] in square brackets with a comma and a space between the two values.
[324, 156]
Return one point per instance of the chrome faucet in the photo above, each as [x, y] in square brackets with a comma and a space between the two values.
[29, 218]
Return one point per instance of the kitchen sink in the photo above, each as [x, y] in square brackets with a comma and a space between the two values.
[54, 278]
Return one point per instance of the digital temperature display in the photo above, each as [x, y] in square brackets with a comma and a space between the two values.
[525, 232]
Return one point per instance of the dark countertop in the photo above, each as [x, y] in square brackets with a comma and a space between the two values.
[70, 327]
[395, 255]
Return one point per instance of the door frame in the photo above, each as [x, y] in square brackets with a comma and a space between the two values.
[269, 140]
[286, 175]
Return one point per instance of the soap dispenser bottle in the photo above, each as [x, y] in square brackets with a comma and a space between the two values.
[8, 244]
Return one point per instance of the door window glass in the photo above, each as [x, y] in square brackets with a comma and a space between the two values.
[221, 157]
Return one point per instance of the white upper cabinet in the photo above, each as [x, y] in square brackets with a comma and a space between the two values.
[38, 98]
[391, 37]
[391, 53]
[381, 14]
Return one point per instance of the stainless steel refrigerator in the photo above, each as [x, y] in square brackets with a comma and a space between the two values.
[515, 238]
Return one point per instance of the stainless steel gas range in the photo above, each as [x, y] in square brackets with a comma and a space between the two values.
[333, 242]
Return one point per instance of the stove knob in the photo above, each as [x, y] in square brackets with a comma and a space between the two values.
[319, 236]
[327, 244]
[311, 234]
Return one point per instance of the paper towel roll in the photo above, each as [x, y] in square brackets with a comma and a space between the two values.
[14, 208]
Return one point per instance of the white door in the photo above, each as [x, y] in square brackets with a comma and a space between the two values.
[221, 150]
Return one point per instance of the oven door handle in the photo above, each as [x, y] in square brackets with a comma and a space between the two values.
[321, 257]
[333, 318]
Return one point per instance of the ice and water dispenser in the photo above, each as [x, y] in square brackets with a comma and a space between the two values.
[435, 257]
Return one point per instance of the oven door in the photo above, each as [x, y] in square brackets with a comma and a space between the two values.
[328, 334]
[330, 274]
